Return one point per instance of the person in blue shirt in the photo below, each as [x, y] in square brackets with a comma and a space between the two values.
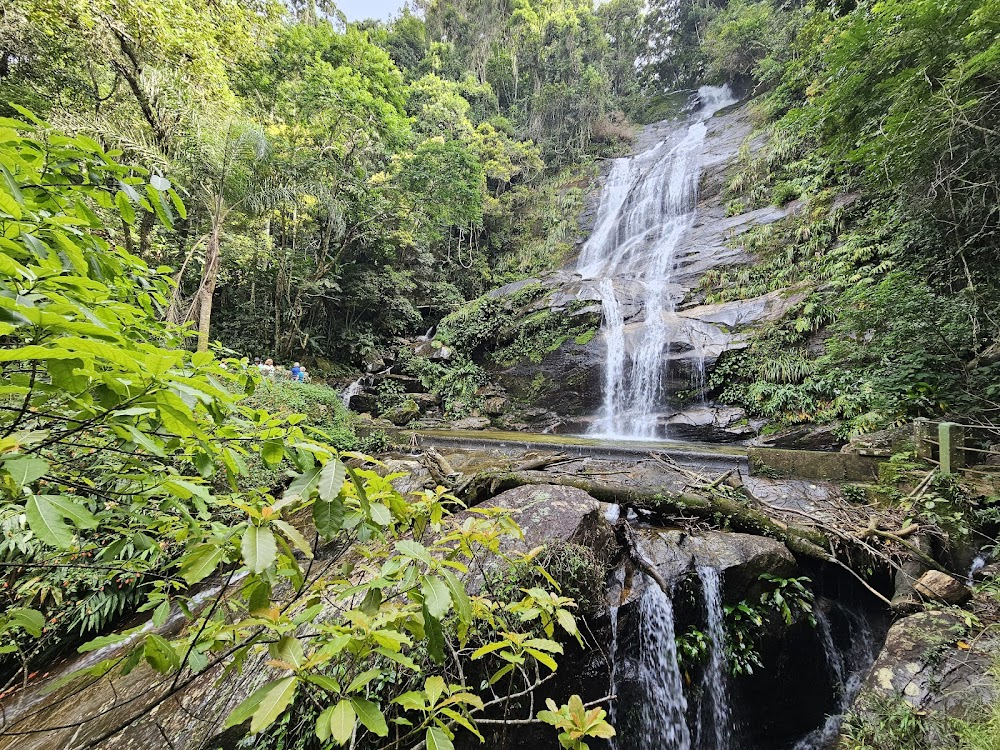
[296, 371]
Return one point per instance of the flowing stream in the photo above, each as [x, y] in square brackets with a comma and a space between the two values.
[648, 205]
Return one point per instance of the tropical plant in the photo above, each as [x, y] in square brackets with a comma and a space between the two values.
[124, 454]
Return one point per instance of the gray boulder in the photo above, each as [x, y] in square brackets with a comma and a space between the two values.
[741, 558]
[927, 663]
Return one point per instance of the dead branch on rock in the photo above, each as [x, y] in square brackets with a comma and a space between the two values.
[545, 461]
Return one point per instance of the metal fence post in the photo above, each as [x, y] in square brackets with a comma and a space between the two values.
[951, 438]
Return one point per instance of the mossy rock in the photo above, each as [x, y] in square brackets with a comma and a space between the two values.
[404, 413]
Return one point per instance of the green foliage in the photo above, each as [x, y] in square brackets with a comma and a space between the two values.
[692, 648]
[321, 405]
[576, 722]
[505, 329]
[895, 723]
[344, 186]
[124, 457]
[783, 600]
[898, 204]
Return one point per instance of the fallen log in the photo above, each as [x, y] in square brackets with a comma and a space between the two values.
[737, 514]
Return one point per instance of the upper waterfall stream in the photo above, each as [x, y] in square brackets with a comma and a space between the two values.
[648, 205]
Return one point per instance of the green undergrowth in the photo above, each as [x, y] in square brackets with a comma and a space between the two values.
[548, 222]
[497, 331]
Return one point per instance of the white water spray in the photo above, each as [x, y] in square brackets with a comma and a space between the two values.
[662, 714]
[716, 677]
[648, 205]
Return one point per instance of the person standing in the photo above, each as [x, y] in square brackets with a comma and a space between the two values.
[296, 371]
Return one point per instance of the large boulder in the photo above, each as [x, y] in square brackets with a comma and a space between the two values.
[941, 587]
[404, 413]
[928, 662]
[741, 558]
[549, 513]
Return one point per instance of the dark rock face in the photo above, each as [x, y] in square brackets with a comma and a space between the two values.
[926, 663]
[741, 558]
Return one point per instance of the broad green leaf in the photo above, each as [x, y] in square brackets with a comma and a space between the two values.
[287, 649]
[342, 722]
[45, 520]
[259, 548]
[329, 684]
[436, 739]
[160, 655]
[161, 613]
[32, 621]
[26, 469]
[328, 517]
[300, 487]
[323, 723]
[8, 205]
[294, 536]
[371, 716]
[435, 637]
[460, 598]
[332, 479]
[201, 562]
[437, 598]
[273, 703]
[363, 679]
[108, 640]
[272, 451]
[125, 208]
[380, 514]
[247, 708]
[434, 688]
[73, 511]
[415, 550]
[567, 621]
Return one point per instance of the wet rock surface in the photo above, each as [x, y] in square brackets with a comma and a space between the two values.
[741, 558]
[927, 663]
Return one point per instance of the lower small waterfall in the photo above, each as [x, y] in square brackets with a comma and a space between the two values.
[663, 715]
[807, 680]
[715, 687]
[847, 667]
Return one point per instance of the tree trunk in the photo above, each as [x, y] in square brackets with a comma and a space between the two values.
[207, 289]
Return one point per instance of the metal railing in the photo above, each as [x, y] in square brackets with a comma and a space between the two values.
[957, 447]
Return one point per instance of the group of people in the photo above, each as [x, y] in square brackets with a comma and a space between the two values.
[268, 370]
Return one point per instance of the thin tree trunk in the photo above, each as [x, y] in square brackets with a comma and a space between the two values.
[207, 289]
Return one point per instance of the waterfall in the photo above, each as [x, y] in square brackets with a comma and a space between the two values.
[662, 714]
[648, 205]
[352, 390]
[847, 668]
[715, 690]
[617, 583]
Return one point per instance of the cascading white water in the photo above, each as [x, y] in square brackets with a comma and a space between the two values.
[847, 670]
[351, 391]
[617, 582]
[716, 676]
[662, 714]
[648, 204]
